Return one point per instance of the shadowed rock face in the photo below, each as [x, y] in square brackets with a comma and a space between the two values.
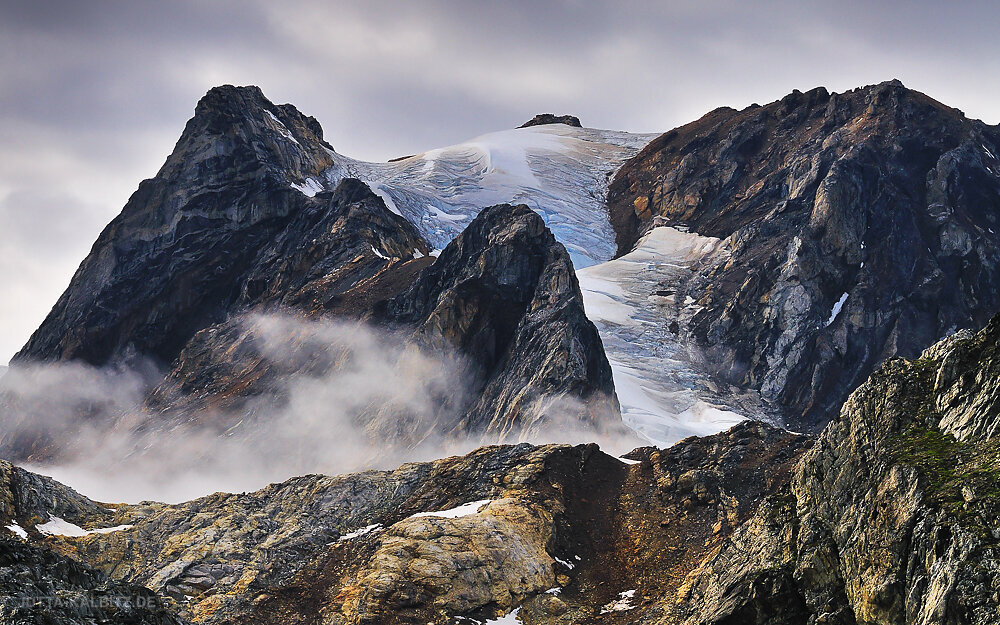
[175, 259]
[861, 225]
[548, 118]
[504, 295]
[502, 299]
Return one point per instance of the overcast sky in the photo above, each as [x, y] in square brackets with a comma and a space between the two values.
[93, 94]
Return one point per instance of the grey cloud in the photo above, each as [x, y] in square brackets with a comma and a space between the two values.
[93, 95]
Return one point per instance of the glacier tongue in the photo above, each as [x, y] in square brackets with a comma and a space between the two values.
[631, 299]
[560, 171]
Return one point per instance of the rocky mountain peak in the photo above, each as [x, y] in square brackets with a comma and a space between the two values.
[861, 225]
[548, 118]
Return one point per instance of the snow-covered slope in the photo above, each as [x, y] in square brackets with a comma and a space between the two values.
[663, 396]
[560, 171]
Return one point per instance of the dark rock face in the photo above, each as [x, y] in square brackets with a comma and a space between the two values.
[504, 295]
[175, 260]
[861, 225]
[548, 118]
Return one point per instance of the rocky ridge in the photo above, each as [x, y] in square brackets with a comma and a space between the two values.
[548, 118]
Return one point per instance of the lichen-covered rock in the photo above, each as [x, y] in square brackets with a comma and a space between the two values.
[891, 517]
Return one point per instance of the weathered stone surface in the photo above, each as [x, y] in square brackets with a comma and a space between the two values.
[569, 520]
[891, 517]
[860, 226]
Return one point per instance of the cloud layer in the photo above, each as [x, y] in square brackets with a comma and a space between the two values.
[93, 95]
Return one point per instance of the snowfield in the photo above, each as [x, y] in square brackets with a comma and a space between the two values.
[559, 171]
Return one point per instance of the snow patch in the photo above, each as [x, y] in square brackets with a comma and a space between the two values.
[510, 619]
[629, 460]
[465, 509]
[361, 532]
[378, 253]
[17, 529]
[389, 202]
[837, 307]
[309, 188]
[60, 527]
[621, 604]
[567, 564]
[282, 128]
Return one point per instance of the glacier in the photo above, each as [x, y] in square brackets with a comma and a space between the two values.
[561, 172]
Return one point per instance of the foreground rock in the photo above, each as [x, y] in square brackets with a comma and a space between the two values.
[890, 516]
[558, 531]
[859, 226]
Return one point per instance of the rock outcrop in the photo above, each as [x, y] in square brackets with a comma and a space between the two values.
[548, 118]
[556, 531]
[861, 225]
[38, 585]
[504, 295]
[890, 516]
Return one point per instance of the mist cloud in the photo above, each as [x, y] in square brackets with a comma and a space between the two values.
[346, 397]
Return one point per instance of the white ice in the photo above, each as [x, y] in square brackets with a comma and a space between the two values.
[836, 309]
[657, 386]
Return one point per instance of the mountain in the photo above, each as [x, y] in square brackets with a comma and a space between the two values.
[889, 516]
[854, 227]
[181, 251]
[231, 230]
